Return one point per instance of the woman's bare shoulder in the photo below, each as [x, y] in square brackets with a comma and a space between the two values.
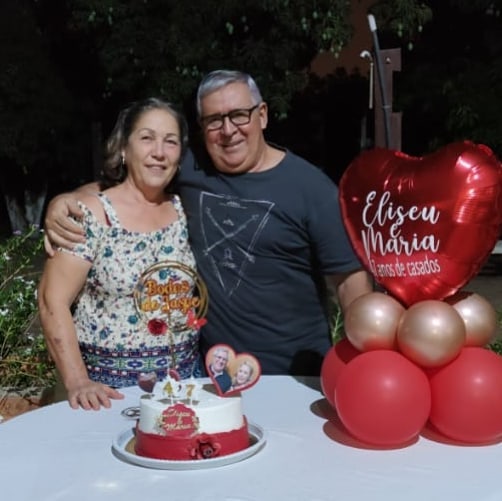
[92, 202]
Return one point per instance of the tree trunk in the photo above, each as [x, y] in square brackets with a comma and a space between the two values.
[22, 216]
[16, 216]
[34, 205]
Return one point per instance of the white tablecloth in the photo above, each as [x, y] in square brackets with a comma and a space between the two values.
[57, 453]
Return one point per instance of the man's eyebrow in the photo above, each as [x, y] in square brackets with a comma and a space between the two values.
[213, 115]
[221, 114]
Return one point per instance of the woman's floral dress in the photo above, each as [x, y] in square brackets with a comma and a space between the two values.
[113, 336]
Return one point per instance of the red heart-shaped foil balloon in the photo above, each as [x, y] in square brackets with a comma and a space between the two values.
[423, 226]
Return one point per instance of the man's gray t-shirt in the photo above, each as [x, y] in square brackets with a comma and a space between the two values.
[262, 242]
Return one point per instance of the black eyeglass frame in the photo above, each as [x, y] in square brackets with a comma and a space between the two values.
[204, 120]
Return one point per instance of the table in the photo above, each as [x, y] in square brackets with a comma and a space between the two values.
[56, 453]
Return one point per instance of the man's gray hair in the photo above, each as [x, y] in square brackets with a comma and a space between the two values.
[220, 78]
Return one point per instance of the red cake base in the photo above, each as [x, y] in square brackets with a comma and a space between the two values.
[198, 446]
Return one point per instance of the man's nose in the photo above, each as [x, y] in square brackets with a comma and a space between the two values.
[228, 127]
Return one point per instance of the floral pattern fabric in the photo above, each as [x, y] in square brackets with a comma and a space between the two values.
[113, 336]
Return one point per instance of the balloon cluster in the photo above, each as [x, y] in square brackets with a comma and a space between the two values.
[415, 355]
[398, 369]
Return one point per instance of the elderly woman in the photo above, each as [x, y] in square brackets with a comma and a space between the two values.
[93, 329]
[243, 375]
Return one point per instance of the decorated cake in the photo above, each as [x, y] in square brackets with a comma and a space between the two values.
[179, 419]
[184, 420]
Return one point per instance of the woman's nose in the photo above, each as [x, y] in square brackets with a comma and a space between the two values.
[158, 149]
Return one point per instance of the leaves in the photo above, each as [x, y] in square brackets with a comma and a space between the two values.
[24, 360]
[164, 47]
[450, 88]
[34, 110]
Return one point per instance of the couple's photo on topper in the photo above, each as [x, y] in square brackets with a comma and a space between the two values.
[231, 372]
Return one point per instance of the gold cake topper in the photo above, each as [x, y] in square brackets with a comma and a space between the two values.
[171, 296]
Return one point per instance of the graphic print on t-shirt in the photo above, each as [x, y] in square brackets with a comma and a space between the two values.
[230, 227]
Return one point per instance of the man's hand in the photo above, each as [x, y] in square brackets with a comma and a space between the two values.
[350, 286]
[60, 229]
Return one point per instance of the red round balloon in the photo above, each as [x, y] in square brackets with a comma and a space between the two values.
[467, 397]
[382, 398]
[411, 220]
[337, 357]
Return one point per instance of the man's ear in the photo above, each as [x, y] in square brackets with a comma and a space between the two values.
[263, 114]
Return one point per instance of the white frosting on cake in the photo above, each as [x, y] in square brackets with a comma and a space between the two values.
[215, 414]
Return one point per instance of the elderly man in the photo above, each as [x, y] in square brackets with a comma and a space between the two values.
[218, 368]
[266, 231]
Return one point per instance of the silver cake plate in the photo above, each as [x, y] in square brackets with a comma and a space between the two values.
[123, 448]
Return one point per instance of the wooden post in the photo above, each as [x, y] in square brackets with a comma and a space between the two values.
[391, 62]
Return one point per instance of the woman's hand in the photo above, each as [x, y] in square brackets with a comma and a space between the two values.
[92, 396]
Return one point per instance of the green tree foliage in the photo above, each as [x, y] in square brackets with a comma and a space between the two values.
[35, 111]
[24, 361]
[404, 18]
[96, 54]
[449, 87]
[69, 63]
[165, 46]
[35, 103]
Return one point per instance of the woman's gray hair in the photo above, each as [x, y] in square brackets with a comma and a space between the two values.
[220, 78]
[114, 170]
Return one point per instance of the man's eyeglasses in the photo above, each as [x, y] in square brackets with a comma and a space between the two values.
[237, 117]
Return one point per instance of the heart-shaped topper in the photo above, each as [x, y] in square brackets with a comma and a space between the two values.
[423, 226]
[231, 373]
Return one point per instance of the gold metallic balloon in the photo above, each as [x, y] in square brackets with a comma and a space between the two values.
[431, 333]
[479, 316]
[371, 321]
